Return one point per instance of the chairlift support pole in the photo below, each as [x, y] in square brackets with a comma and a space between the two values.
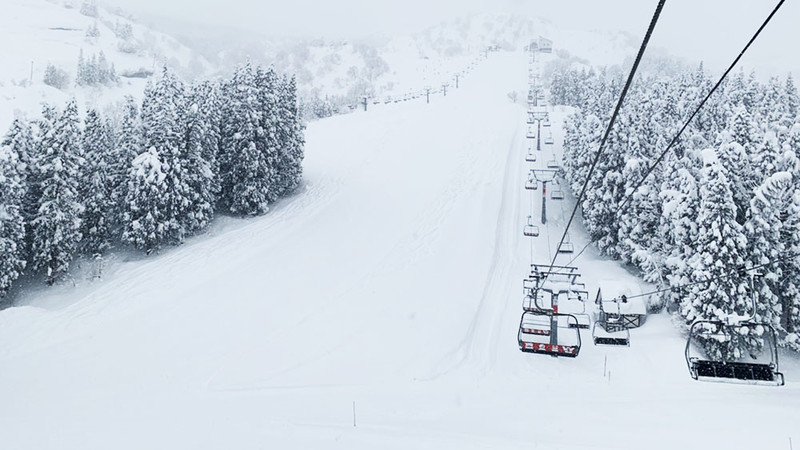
[544, 202]
[554, 319]
[538, 131]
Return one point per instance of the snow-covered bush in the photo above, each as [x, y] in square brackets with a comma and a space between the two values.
[55, 77]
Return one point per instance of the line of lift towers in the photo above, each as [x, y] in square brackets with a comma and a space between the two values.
[555, 300]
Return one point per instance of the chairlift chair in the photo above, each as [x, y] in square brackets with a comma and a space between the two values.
[566, 246]
[549, 140]
[605, 335]
[530, 229]
[546, 123]
[557, 193]
[538, 324]
[553, 163]
[529, 286]
[536, 336]
[530, 156]
[532, 184]
[575, 305]
[531, 303]
[746, 369]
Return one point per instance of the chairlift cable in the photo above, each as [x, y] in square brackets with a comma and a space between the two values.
[624, 92]
[675, 139]
[729, 274]
[626, 202]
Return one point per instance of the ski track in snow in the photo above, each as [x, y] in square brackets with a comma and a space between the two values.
[392, 280]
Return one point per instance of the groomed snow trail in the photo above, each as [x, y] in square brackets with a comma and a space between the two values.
[392, 282]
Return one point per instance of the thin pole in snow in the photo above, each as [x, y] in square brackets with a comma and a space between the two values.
[790, 443]
[605, 364]
[354, 413]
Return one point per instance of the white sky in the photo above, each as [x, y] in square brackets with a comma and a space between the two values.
[712, 30]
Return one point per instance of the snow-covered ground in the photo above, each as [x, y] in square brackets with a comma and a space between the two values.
[390, 286]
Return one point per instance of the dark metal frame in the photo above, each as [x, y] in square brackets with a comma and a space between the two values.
[707, 369]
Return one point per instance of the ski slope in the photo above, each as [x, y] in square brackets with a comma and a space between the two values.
[389, 286]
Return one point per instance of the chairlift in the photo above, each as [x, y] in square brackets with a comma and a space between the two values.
[538, 324]
[531, 230]
[739, 366]
[557, 193]
[530, 156]
[532, 184]
[531, 133]
[529, 286]
[575, 304]
[531, 303]
[566, 246]
[549, 140]
[604, 333]
[553, 163]
[546, 123]
[549, 334]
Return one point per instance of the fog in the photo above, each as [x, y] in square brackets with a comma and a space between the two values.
[709, 30]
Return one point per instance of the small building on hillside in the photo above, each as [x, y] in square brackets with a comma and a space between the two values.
[545, 45]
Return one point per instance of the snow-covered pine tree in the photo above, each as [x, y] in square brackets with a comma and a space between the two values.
[127, 147]
[764, 229]
[81, 77]
[678, 227]
[12, 222]
[103, 75]
[145, 207]
[21, 141]
[57, 224]
[197, 174]
[765, 156]
[789, 284]
[268, 141]
[738, 167]
[42, 138]
[96, 186]
[207, 96]
[720, 249]
[290, 137]
[162, 130]
[605, 192]
[92, 71]
[791, 98]
[639, 241]
[244, 167]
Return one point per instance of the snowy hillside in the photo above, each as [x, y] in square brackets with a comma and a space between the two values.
[41, 32]
[378, 308]
[397, 66]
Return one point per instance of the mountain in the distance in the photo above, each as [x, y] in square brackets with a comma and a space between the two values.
[37, 36]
